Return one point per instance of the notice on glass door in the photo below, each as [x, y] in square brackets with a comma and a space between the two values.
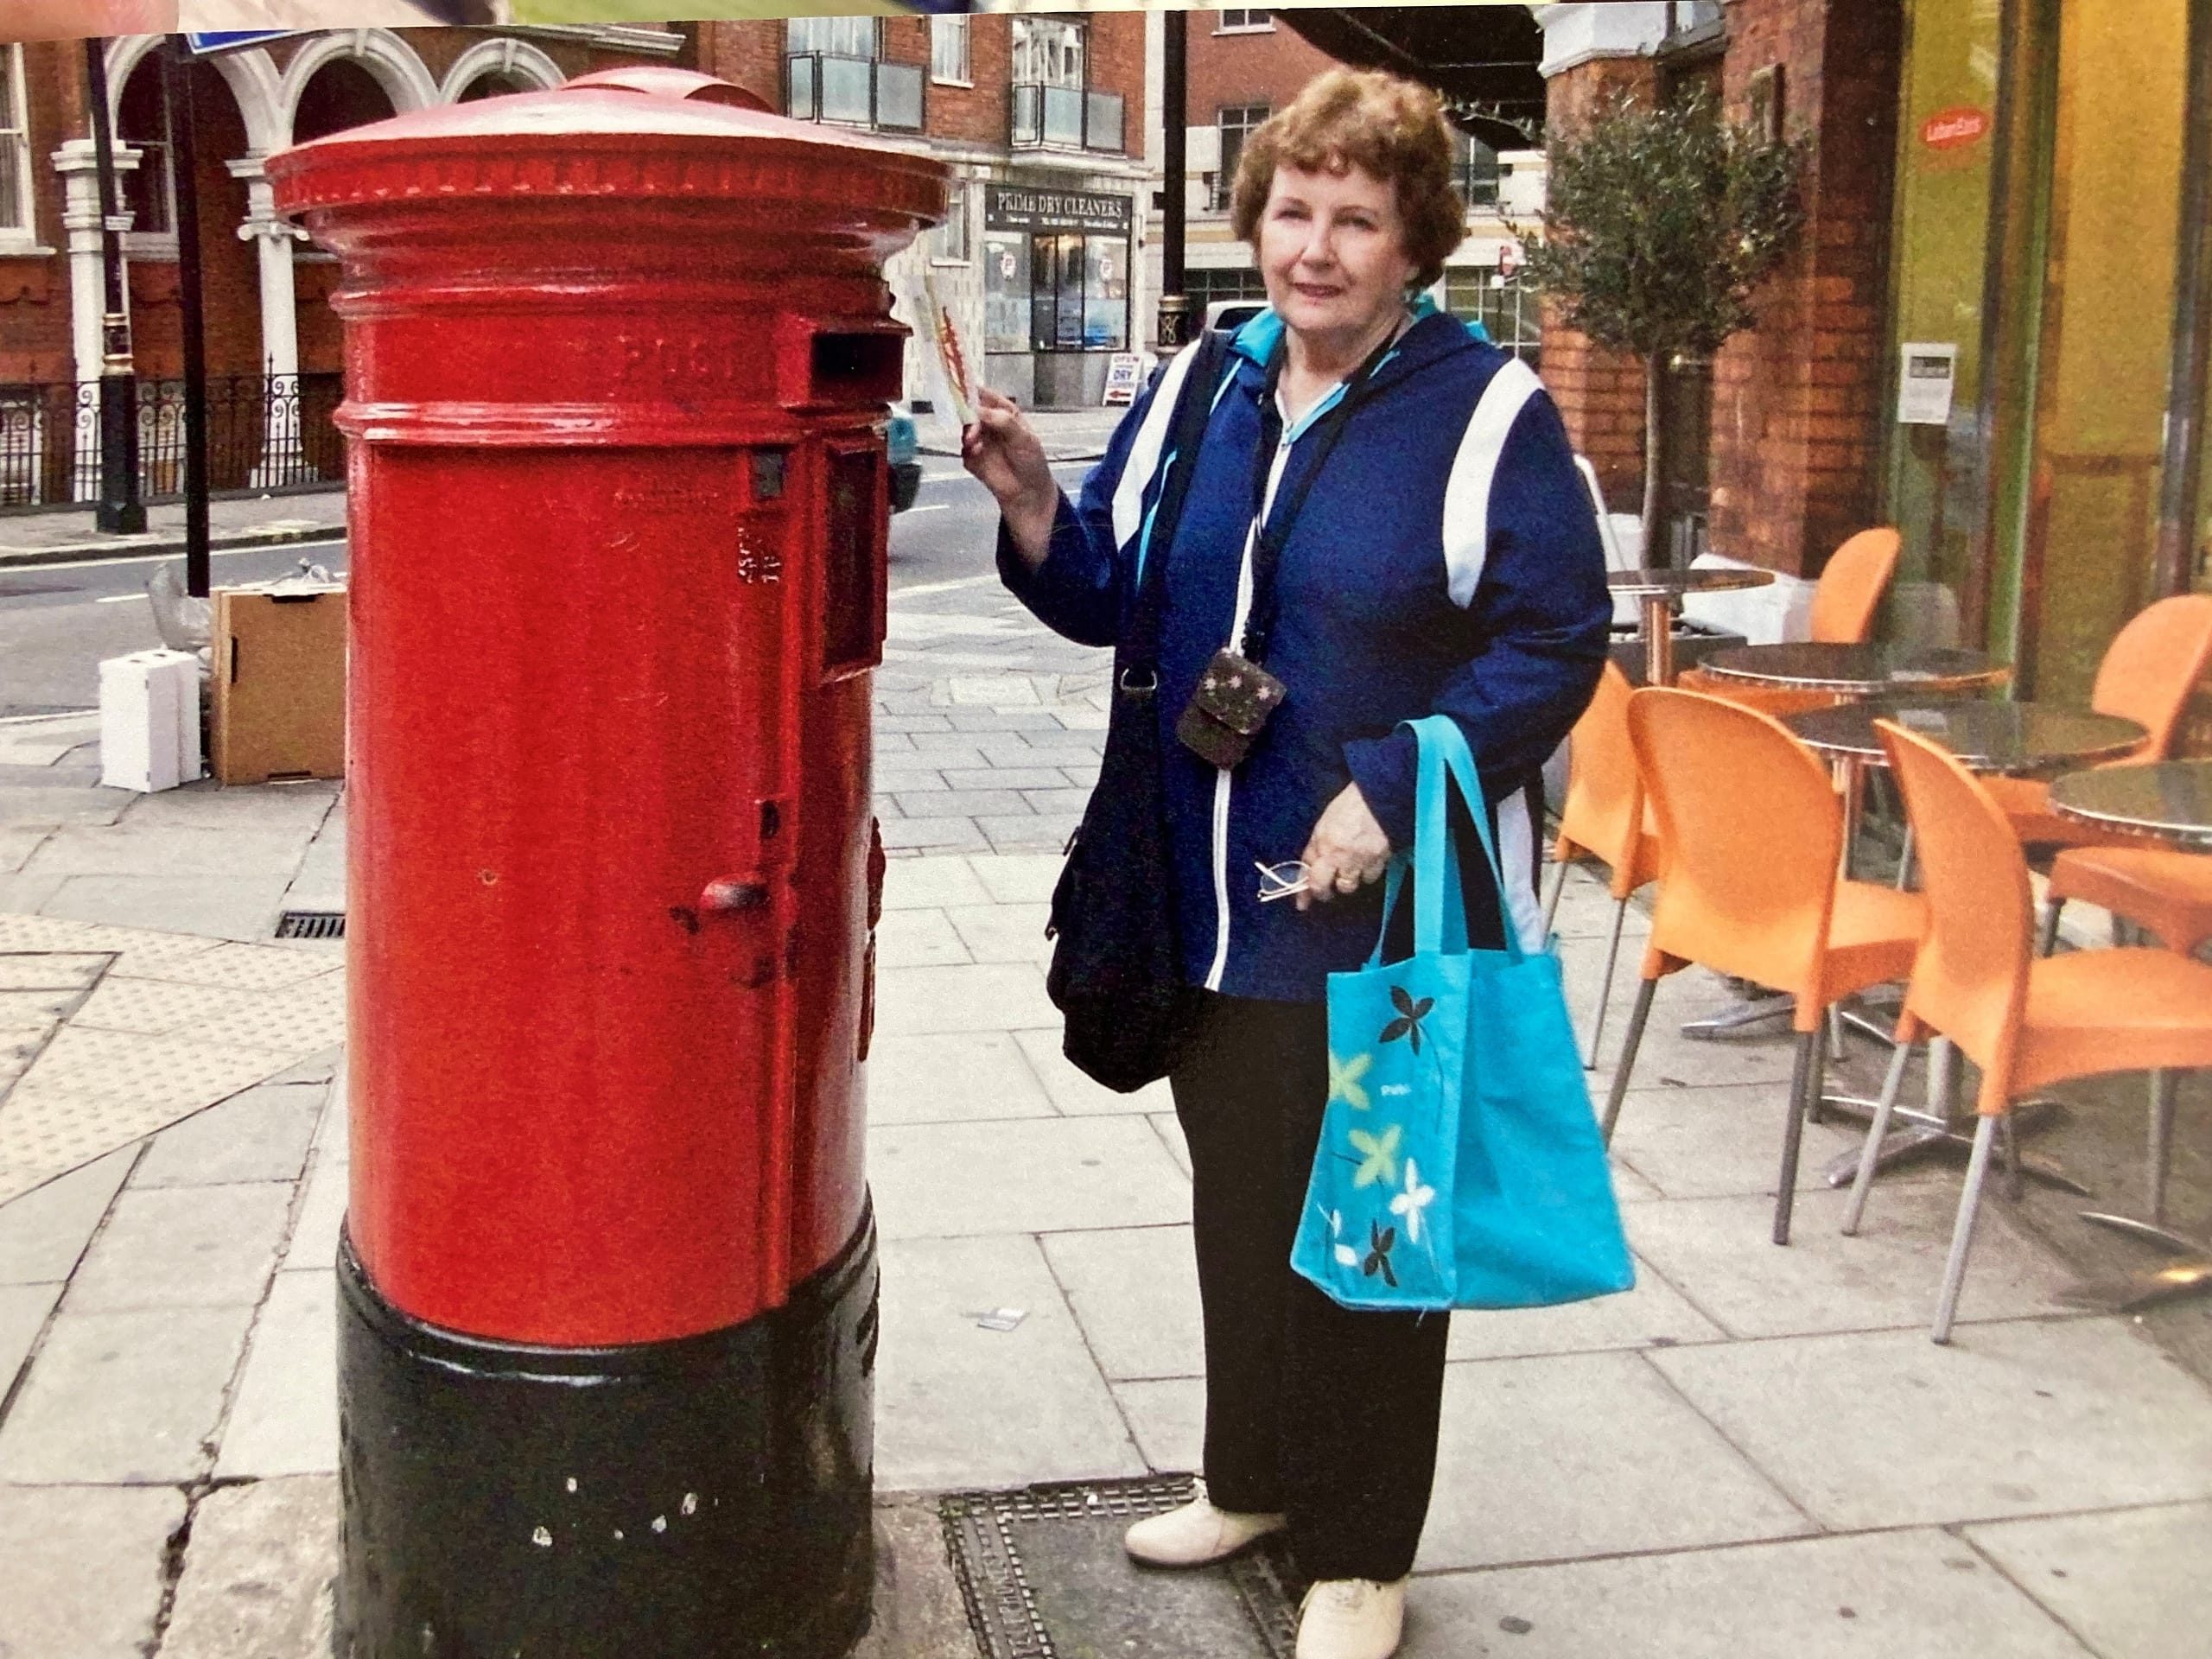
[1929, 371]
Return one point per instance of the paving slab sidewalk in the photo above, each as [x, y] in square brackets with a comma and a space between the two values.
[1757, 1451]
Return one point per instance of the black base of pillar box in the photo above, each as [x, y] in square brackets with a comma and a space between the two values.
[698, 1498]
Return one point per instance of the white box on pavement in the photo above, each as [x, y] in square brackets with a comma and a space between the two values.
[149, 720]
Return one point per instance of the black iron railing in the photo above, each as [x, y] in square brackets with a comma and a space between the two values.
[264, 432]
[1066, 117]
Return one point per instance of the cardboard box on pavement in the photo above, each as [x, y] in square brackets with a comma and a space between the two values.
[149, 720]
[280, 682]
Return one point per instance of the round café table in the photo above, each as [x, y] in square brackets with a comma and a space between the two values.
[1989, 737]
[1860, 670]
[1660, 591]
[2169, 801]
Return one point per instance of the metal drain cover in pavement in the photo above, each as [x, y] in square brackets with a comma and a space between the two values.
[1044, 1577]
[311, 924]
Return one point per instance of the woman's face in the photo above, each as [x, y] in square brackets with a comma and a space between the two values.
[1332, 252]
[62, 20]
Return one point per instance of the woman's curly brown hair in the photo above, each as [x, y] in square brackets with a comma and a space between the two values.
[1379, 123]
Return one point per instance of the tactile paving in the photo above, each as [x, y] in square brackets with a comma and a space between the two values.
[36, 970]
[244, 967]
[158, 1007]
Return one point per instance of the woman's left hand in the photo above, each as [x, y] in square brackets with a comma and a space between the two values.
[1346, 850]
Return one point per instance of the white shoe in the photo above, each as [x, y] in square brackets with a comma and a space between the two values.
[1197, 1534]
[1352, 1619]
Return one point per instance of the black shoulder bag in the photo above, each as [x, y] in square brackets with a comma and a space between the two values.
[1117, 964]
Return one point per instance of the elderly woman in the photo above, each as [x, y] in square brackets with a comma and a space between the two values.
[1444, 558]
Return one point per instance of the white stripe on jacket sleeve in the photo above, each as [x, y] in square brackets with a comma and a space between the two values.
[1143, 459]
[1466, 492]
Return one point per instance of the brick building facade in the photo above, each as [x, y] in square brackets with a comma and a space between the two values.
[1041, 118]
[1779, 438]
[1242, 67]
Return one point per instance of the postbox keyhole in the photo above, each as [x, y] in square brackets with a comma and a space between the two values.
[771, 820]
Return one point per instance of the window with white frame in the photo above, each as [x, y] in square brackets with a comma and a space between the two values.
[948, 50]
[833, 37]
[15, 215]
[1242, 19]
[952, 245]
[1238, 123]
[1047, 52]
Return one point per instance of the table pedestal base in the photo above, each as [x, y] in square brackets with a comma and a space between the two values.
[2187, 1272]
[1925, 1133]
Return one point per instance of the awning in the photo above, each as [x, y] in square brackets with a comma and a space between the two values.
[1483, 59]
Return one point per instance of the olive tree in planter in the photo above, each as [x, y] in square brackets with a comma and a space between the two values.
[1659, 223]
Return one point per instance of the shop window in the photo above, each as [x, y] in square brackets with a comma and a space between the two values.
[16, 222]
[948, 51]
[951, 237]
[1242, 19]
[1079, 294]
[1238, 122]
[1006, 292]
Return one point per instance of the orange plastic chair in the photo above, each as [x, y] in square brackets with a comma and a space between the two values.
[2147, 674]
[2167, 892]
[2026, 1022]
[1751, 835]
[1844, 599]
[1603, 817]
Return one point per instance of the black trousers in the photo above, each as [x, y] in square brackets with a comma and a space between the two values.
[1313, 1409]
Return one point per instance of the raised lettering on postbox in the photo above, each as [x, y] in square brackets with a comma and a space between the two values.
[663, 360]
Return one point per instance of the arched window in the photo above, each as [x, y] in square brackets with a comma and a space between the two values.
[339, 96]
[141, 122]
[495, 84]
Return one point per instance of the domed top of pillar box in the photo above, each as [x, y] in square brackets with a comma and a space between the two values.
[638, 232]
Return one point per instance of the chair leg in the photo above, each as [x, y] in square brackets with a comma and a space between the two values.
[2049, 941]
[1804, 1076]
[1871, 1153]
[1636, 1018]
[1559, 885]
[1904, 861]
[1605, 990]
[2162, 1140]
[1954, 1269]
[2016, 1176]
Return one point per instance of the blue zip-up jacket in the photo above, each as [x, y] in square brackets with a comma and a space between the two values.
[1447, 560]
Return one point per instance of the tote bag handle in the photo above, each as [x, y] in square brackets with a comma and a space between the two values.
[1439, 909]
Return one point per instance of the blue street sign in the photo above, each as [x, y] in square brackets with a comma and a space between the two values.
[234, 40]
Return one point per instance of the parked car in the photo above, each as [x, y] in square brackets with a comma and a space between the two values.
[1233, 315]
[906, 458]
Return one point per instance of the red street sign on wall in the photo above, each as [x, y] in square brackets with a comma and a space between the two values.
[1954, 129]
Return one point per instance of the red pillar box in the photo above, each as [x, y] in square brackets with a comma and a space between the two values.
[616, 362]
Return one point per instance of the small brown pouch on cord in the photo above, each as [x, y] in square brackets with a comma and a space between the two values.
[1229, 708]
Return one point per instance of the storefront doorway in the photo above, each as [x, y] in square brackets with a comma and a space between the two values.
[1055, 291]
[2046, 272]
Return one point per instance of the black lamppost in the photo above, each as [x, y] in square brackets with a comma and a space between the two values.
[1173, 99]
[120, 510]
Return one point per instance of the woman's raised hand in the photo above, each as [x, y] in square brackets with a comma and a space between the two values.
[1004, 454]
[1346, 850]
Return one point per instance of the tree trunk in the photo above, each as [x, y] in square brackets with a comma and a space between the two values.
[1657, 555]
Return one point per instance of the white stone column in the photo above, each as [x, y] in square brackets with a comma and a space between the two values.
[78, 166]
[273, 238]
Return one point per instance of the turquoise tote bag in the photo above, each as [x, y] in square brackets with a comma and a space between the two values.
[1459, 1163]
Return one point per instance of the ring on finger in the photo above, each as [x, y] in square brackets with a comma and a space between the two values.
[1348, 882]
